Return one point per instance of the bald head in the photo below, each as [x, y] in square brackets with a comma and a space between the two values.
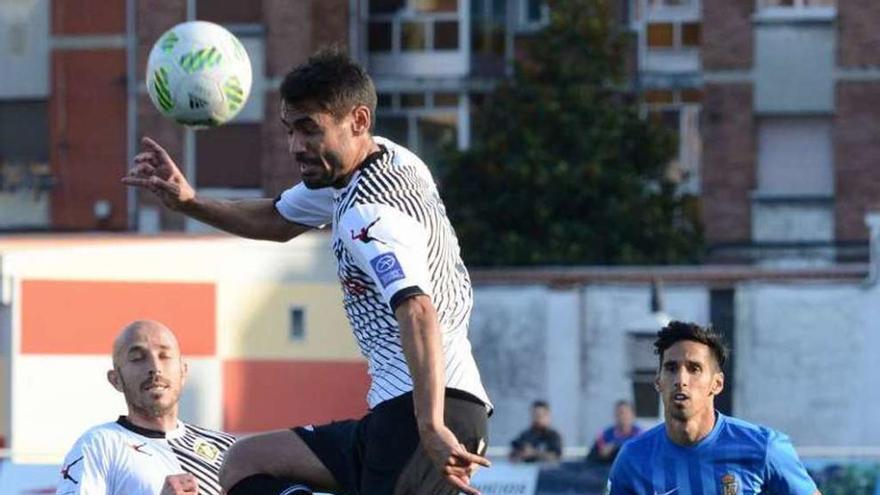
[149, 371]
[140, 332]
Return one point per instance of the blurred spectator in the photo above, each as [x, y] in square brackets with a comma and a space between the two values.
[540, 442]
[609, 441]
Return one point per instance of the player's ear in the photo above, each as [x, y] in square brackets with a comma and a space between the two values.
[717, 383]
[362, 118]
[113, 378]
[184, 372]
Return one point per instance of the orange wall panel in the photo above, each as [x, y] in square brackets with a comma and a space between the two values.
[88, 17]
[83, 317]
[265, 395]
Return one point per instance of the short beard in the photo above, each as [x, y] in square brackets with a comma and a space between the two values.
[154, 410]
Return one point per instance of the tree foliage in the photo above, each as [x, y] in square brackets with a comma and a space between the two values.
[562, 169]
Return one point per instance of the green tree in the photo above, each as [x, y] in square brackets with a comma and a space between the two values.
[562, 169]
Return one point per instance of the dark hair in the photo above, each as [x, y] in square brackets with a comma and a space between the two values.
[331, 82]
[540, 403]
[621, 403]
[676, 331]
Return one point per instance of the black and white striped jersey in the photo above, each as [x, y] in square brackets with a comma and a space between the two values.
[392, 239]
[121, 458]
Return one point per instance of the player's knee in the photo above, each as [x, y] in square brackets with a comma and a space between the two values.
[237, 463]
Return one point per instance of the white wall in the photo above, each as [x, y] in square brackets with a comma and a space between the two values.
[806, 355]
[808, 361]
[612, 311]
[567, 346]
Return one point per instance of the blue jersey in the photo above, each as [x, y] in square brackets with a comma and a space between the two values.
[736, 458]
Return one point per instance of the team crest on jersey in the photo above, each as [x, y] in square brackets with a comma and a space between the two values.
[206, 450]
[728, 482]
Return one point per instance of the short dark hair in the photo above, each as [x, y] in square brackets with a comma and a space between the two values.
[622, 403]
[330, 81]
[540, 403]
[676, 331]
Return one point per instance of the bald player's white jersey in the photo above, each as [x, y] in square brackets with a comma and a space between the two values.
[392, 240]
[123, 459]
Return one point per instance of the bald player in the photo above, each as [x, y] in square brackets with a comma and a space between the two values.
[149, 451]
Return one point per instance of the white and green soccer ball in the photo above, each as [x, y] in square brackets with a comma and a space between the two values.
[199, 74]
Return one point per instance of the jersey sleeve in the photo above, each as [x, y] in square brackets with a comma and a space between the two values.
[85, 469]
[391, 247]
[312, 207]
[620, 479]
[786, 474]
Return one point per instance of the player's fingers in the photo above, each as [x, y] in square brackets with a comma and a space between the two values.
[455, 471]
[463, 455]
[137, 182]
[145, 156]
[156, 148]
[462, 486]
[142, 170]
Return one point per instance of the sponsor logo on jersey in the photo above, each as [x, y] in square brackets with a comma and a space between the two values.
[387, 268]
[206, 450]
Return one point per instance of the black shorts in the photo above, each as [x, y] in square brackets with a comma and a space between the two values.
[380, 454]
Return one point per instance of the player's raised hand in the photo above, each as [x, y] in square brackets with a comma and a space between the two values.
[452, 458]
[180, 484]
[154, 170]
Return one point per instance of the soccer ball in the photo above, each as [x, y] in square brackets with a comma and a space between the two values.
[198, 74]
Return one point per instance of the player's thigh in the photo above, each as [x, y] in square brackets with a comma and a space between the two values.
[280, 453]
[420, 476]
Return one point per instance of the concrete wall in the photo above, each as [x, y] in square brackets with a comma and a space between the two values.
[805, 354]
[566, 346]
[808, 361]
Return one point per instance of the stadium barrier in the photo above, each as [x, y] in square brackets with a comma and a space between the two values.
[837, 471]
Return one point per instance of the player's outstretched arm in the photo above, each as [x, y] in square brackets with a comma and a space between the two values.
[154, 170]
[420, 337]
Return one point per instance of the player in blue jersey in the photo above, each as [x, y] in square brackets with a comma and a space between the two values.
[697, 450]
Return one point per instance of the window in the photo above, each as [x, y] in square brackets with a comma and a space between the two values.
[412, 100]
[379, 36]
[435, 5]
[230, 12]
[413, 37]
[796, 3]
[412, 26]
[670, 3]
[228, 157]
[446, 99]
[795, 156]
[673, 35]
[661, 35]
[690, 35]
[679, 111]
[643, 364]
[25, 176]
[446, 35]
[425, 122]
[533, 14]
[297, 324]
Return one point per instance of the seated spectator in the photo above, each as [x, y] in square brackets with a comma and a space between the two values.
[539, 443]
[609, 441]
